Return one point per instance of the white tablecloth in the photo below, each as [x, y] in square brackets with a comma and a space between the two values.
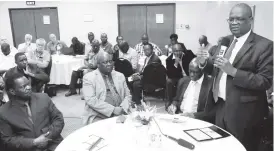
[62, 67]
[127, 136]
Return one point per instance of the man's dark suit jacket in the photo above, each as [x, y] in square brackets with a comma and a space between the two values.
[18, 132]
[205, 103]
[176, 73]
[153, 59]
[39, 75]
[245, 104]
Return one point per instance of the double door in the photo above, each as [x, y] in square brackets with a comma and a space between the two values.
[157, 20]
[39, 22]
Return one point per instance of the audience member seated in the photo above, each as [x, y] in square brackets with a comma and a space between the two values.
[214, 48]
[116, 48]
[194, 95]
[40, 56]
[105, 91]
[145, 40]
[6, 59]
[174, 40]
[90, 65]
[77, 46]
[177, 67]
[36, 75]
[27, 45]
[52, 44]
[13, 50]
[137, 77]
[88, 45]
[105, 45]
[29, 121]
[128, 53]
[204, 44]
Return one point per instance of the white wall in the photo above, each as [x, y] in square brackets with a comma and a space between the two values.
[207, 18]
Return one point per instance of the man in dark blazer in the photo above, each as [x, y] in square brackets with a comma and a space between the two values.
[29, 121]
[177, 67]
[200, 99]
[137, 77]
[242, 77]
[37, 76]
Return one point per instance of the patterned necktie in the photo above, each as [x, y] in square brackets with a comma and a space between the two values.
[113, 91]
[218, 78]
[28, 111]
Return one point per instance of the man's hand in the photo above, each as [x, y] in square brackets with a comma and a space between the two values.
[225, 66]
[136, 76]
[202, 56]
[41, 141]
[171, 109]
[28, 73]
[118, 111]
[191, 115]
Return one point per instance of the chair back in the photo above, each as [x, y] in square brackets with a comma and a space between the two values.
[124, 66]
[154, 77]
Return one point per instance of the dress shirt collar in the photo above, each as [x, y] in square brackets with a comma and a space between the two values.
[243, 38]
[19, 102]
[199, 80]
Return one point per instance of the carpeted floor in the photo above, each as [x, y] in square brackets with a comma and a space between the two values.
[72, 108]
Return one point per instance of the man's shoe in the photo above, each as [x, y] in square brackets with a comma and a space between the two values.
[70, 93]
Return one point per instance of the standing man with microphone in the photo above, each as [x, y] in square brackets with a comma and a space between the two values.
[241, 77]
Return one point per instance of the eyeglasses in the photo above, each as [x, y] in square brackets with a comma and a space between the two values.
[236, 19]
[106, 62]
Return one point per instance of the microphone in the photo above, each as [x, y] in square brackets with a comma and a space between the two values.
[224, 45]
[180, 141]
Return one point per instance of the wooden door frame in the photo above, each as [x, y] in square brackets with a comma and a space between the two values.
[150, 4]
[35, 8]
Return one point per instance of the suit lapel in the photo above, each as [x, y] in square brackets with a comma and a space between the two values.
[245, 48]
[33, 107]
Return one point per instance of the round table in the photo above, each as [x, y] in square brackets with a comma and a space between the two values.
[62, 67]
[128, 136]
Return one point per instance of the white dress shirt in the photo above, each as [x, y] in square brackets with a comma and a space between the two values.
[88, 48]
[238, 46]
[191, 96]
[22, 47]
[176, 65]
[7, 62]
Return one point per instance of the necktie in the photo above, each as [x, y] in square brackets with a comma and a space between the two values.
[29, 112]
[113, 91]
[218, 78]
[144, 65]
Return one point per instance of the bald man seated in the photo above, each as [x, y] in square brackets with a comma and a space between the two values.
[128, 53]
[145, 40]
[105, 45]
[177, 68]
[53, 43]
[105, 91]
[194, 95]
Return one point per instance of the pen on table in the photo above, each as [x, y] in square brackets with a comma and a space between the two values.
[95, 144]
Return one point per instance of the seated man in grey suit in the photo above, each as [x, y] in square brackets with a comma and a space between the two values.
[105, 91]
[194, 95]
[29, 121]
